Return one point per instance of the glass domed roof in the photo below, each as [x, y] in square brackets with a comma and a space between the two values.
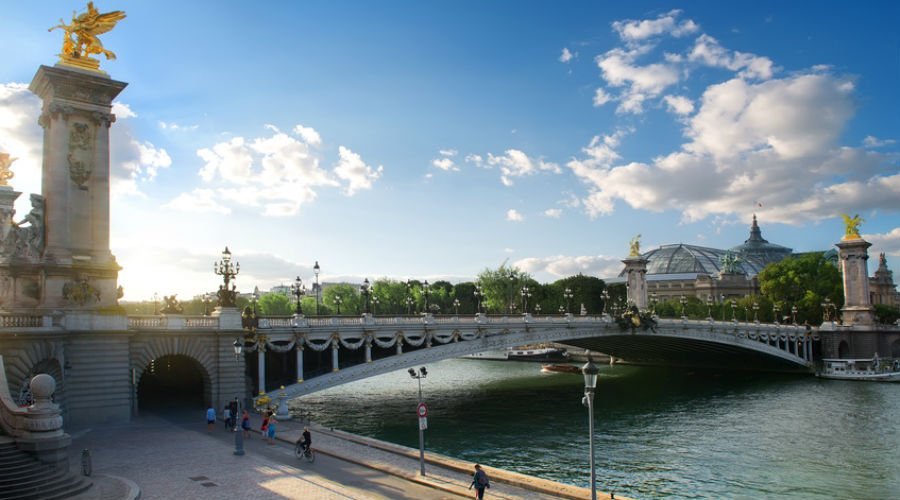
[681, 258]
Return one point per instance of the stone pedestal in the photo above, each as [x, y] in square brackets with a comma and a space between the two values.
[636, 281]
[854, 256]
[80, 271]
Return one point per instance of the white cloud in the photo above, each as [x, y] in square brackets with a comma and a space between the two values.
[566, 56]
[352, 169]
[563, 266]
[122, 110]
[640, 82]
[445, 164]
[601, 97]
[174, 126]
[707, 50]
[308, 134]
[515, 163]
[679, 105]
[198, 200]
[553, 213]
[889, 242]
[514, 216]
[448, 152]
[874, 142]
[632, 30]
[477, 160]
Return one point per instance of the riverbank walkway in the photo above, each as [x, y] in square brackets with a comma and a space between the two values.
[173, 456]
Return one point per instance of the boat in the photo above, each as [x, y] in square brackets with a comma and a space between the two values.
[501, 354]
[872, 370]
[537, 354]
[560, 368]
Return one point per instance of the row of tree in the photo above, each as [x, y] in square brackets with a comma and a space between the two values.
[804, 289]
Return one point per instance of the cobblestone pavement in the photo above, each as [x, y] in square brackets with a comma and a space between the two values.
[174, 457]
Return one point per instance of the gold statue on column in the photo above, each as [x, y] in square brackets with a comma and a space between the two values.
[635, 246]
[851, 226]
[5, 173]
[80, 40]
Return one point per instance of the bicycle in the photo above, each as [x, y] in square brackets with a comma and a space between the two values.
[86, 463]
[302, 452]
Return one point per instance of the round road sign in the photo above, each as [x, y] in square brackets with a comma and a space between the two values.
[422, 410]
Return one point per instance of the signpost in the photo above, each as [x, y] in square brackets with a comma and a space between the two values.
[422, 412]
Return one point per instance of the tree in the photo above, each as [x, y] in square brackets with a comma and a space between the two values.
[501, 287]
[886, 315]
[275, 304]
[804, 282]
[585, 290]
[350, 301]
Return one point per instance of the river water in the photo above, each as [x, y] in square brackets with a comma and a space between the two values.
[659, 432]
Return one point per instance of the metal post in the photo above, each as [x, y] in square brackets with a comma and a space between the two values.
[262, 366]
[590, 397]
[238, 440]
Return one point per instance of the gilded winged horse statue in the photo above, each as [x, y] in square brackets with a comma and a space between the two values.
[81, 40]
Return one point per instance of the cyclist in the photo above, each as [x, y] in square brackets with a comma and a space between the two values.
[305, 440]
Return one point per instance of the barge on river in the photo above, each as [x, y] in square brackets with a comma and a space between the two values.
[872, 370]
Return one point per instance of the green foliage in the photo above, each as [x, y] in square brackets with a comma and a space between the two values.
[351, 302]
[275, 304]
[501, 287]
[803, 282]
[886, 315]
[585, 290]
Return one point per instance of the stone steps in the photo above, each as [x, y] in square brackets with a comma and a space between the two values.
[24, 477]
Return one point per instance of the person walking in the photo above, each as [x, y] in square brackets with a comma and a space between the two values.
[480, 481]
[226, 416]
[245, 424]
[235, 411]
[265, 425]
[210, 419]
[270, 430]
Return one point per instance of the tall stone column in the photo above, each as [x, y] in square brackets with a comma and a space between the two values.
[854, 256]
[636, 279]
[80, 268]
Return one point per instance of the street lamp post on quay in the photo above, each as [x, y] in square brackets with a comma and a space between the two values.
[366, 289]
[421, 412]
[425, 293]
[238, 433]
[567, 294]
[590, 384]
[337, 300]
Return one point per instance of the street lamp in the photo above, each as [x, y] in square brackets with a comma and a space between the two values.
[512, 279]
[374, 303]
[366, 290]
[337, 300]
[419, 376]
[590, 384]
[456, 306]
[567, 294]
[478, 296]
[755, 312]
[228, 270]
[733, 308]
[298, 290]
[653, 300]
[776, 310]
[828, 307]
[425, 294]
[794, 315]
[207, 300]
[605, 296]
[722, 303]
[155, 303]
[316, 270]
[525, 294]
[238, 434]
[562, 309]
[409, 299]
[683, 301]
[709, 307]
[537, 308]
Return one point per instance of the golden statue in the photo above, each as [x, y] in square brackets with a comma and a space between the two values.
[635, 245]
[851, 227]
[81, 40]
[5, 172]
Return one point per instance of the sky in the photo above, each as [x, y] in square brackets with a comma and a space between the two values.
[432, 140]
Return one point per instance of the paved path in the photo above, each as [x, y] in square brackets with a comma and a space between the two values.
[174, 456]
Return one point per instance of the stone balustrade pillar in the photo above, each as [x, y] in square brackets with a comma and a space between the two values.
[636, 281]
[854, 257]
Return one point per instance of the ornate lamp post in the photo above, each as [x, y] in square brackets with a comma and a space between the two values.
[316, 270]
[419, 376]
[155, 303]
[366, 289]
[525, 294]
[238, 434]
[722, 302]
[605, 296]
[227, 270]
[562, 309]
[207, 300]
[733, 309]
[374, 302]
[709, 307]
[653, 300]
[338, 301]
[828, 308]
[298, 290]
[776, 310]
[793, 315]
[755, 312]
[683, 301]
[590, 384]
[409, 299]
[537, 308]
[478, 296]
[567, 294]
[456, 306]
[425, 292]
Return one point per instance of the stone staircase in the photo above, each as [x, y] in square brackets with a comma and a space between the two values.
[23, 477]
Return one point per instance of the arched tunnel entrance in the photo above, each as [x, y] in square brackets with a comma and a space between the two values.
[174, 382]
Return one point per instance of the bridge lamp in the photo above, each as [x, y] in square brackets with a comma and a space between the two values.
[537, 308]
[733, 308]
[374, 302]
[155, 303]
[605, 296]
[478, 296]
[419, 376]
[794, 315]
[525, 294]
[512, 279]
[567, 294]
[425, 292]
[590, 384]
[776, 310]
[562, 309]
[316, 270]
[238, 348]
[683, 301]
[298, 291]
[709, 302]
[365, 289]
[653, 300]
[337, 300]
[456, 306]
[756, 312]
[722, 301]
[409, 303]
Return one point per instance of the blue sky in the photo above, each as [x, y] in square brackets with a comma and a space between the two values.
[433, 139]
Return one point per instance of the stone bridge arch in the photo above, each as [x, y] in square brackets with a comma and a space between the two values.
[24, 360]
[159, 356]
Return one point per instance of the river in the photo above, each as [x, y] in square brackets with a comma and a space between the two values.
[659, 432]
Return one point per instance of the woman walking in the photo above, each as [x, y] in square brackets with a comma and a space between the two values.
[480, 482]
[270, 431]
